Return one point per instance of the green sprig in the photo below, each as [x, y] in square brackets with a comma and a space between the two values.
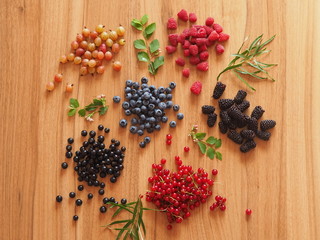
[245, 63]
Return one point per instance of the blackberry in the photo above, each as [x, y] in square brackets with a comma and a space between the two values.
[241, 95]
[249, 134]
[218, 90]
[257, 112]
[206, 109]
[267, 124]
[236, 114]
[233, 124]
[224, 104]
[247, 146]
[264, 135]
[235, 136]
[243, 106]
[253, 124]
[223, 128]
[225, 117]
[212, 118]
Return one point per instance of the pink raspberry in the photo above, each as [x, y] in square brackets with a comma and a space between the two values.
[183, 15]
[196, 88]
[194, 60]
[208, 30]
[186, 44]
[217, 27]
[193, 50]
[219, 49]
[204, 56]
[197, 26]
[173, 39]
[170, 49]
[180, 61]
[172, 24]
[213, 36]
[203, 66]
[201, 41]
[223, 37]
[186, 52]
[193, 40]
[192, 17]
[209, 21]
[209, 43]
[181, 38]
[193, 32]
[186, 32]
[186, 72]
[203, 48]
[202, 33]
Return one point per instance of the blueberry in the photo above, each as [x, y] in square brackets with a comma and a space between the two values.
[141, 126]
[123, 123]
[151, 106]
[128, 83]
[143, 86]
[147, 139]
[155, 93]
[147, 125]
[173, 124]
[142, 117]
[137, 110]
[146, 90]
[152, 120]
[168, 90]
[133, 129]
[158, 112]
[150, 130]
[169, 96]
[116, 99]
[133, 91]
[127, 112]
[139, 103]
[161, 89]
[152, 88]
[180, 116]
[157, 127]
[140, 132]
[128, 96]
[136, 85]
[132, 103]
[144, 80]
[145, 102]
[142, 144]
[162, 96]
[133, 111]
[125, 105]
[164, 119]
[127, 90]
[176, 107]
[172, 85]
[162, 105]
[169, 104]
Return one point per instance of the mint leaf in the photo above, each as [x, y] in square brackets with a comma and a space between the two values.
[211, 140]
[82, 112]
[143, 57]
[144, 19]
[136, 24]
[210, 153]
[154, 45]
[139, 44]
[103, 110]
[158, 62]
[74, 103]
[151, 68]
[72, 112]
[218, 143]
[202, 147]
[97, 102]
[150, 28]
[219, 155]
[200, 136]
[90, 107]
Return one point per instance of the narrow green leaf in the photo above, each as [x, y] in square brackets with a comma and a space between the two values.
[229, 68]
[218, 155]
[82, 112]
[211, 140]
[90, 108]
[210, 153]
[244, 81]
[218, 143]
[144, 19]
[243, 71]
[119, 221]
[202, 147]
[72, 112]
[200, 136]
[124, 228]
[268, 41]
[255, 42]
[150, 28]
[136, 24]
[103, 110]
[117, 212]
[151, 68]
[239, 55]
[74, 103]
[143, 57]
[158, 62]
[139, 44]
[154, 45]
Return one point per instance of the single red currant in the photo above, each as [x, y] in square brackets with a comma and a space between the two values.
[248, 212]
[168, 142]
[169, 137]
[223, 207]
[186, 149]
[218, 198]
[163, 161]
[214, 172]
[169, 227]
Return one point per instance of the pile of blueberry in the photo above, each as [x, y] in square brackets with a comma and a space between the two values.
[147, 106]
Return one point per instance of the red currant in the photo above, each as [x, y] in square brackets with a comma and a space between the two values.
[168, 142]
[186, 149]
[214, 172]
[169, 227]
[248, 212]
[212, 207]
[223, 207]
[169, 137]
[218, 198]
[163, 161]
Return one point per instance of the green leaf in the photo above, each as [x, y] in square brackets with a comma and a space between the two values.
[211, 140]
[229, 68]
[123, 229]
[150, 28]
[151, 68]
[268, 41]
[143, 57]
[139, 44]
[136, 24]
[72, 112]
[218, 143]
[144, 19]
[210, 153]
[219, 155]
[158, 62]
[90, 108]
[97, 102]
[244, 81]
[120, 221]
[82, 112]
[255, 42]
[103, 110]
[74, 103]
[200, 136]
[202, 147]
[154, 45]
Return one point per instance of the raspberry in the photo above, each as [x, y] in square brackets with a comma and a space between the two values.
[257, 112]
[218, 90]
[213, 36]
[193, 32]
[186, 44]
[208, 30]
[247, 146]
[201, 41]
[267, 124]
[263, 135]
[207, 109]
[181, 38]
[202, 33]
[180, 61]
[186, 72]
[192, 17]
[212, 118]
[193, 50]
[173, 39]
[203, 66]
[196, 88]
[194, 60]
[223, 37]
[253, 124]
[225, 118]
[219, 49]
[186, 52]
[224, 104]
[186, 32]
[243, 106]
[223, 128]
[209, 21]
[249, 134]
[241, 95]
[209, 43]
[170, 49]
[204, 55]
[183, 15]
[172, 24]
[217, 27]
[235, 136]
[203, 48]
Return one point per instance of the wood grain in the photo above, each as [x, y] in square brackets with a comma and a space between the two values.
[279, 180]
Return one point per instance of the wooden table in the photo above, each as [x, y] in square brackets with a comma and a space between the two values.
[279, 180]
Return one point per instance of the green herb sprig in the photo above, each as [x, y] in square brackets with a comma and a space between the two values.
[246, 64]
[207, 146]
[98, 105]
[150, 53]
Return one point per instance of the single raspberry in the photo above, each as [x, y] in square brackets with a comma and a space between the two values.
[224, 104]
[257, 112]
[248, 134]
[193, 40]
[201, 41]
[186, 44]
[196, 88]
[183, 15]
[202, 33]
[173, 39]
[235, 136]
[172, 24]
[204, 56]
[225, 118]
[223, 128]
[193, 50]
[207, 109]
[186, 72]
[213, 36]
[253, 124]
[181, 38]
[219, 49]
[264, 135]
[186, 52]
[209, 43]
[241, 95]
[170, 49]
[194, 60]
[218, 90]
[247, 146]
[197, 26]
[180, 61]
[243, 106]
[209, 21]
[203, 48]
[192, 17]
[208, 30]
[267, 124]
[203, 66]
[193, 32]
[223, 37]
[186, 32]
[217, 27]
[212, 118]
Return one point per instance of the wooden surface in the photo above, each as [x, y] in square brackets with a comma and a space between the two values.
[279, 180]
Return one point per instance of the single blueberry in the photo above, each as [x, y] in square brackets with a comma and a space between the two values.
[157, 127]
[140, 132]
[143, 86]
[128, 96]
[180, 116]
[150, 130]
[144, 80]
[139, 103]
[152, 120]
[152, 88]
[147, 139]
[172, 85]
[173, 124]
[158, 112]
[127, 112]
[164, 119]
[132, 103]
[176, 107]
[143, 108]
[136, 85]
[128, 83]
[137, 110]
[168, 90]
[147, 125]
[123, 123]
[145, 102]
[142, 144]
[134, 121]
[161, 89]
[125, 105]
[162, 105]
[142, 117]
[151, 106]
[169, 96]
[133, 111]
[133, 129]
[127, 90]
[162, 96]
[141, 126]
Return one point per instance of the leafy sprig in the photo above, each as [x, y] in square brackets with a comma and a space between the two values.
[208, 146]
[150, 53]
[246, 64]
